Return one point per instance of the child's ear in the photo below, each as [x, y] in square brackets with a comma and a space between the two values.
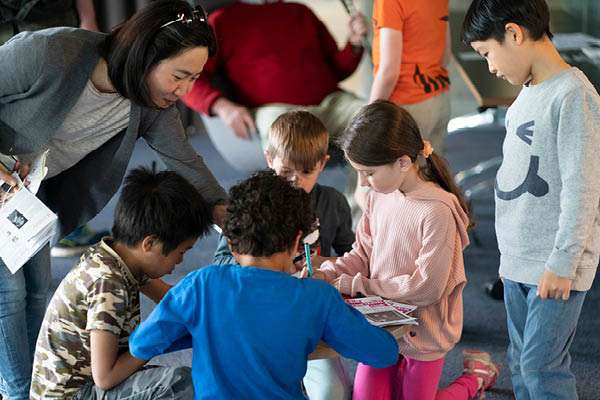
[297, 242]
[405, 163]
[233, 252]
[148, 243]
[325, 159]
[514, 33]
[269, 160]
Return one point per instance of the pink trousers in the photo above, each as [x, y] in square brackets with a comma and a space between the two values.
[410, 379]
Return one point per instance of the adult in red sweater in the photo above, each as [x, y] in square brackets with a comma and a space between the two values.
[274, 57]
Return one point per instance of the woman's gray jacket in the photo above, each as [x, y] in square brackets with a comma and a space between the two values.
[42, 75]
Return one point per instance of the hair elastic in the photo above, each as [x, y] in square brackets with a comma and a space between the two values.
[427, 149]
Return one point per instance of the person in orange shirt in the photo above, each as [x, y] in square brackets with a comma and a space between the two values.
[411, 46]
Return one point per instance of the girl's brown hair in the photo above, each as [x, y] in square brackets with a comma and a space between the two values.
[382, 132]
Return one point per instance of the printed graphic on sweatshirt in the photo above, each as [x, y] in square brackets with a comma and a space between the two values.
[532, 183]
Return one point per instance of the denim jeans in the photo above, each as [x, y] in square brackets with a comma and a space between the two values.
[541, 332]
[22, 307]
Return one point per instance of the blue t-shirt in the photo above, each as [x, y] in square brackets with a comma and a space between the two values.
[252, 331]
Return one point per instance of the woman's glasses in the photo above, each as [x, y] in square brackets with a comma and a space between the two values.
[198, 15]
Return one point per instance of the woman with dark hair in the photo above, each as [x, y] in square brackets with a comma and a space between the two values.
[87, 97]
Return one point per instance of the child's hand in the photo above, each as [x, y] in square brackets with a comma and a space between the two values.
[316, 274]
[336, 284]
[293, 268]
[553, 286]
[316, 261]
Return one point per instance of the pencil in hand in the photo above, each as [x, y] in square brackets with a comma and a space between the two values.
[308, 263]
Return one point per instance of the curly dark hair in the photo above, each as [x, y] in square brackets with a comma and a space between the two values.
[265, 214]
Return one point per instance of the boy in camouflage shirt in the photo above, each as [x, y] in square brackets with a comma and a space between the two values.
[82, 349]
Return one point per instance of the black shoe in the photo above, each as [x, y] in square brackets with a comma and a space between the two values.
[495, 289]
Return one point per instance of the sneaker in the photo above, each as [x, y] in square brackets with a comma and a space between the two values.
[479, 364]
[77, 242]
[495, 289]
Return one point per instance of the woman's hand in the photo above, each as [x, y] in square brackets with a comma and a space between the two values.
[218, 214]
[21, 169]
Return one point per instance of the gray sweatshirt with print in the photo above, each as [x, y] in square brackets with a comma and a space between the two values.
[548, 187]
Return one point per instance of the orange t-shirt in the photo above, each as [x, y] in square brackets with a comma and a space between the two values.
[423, 25]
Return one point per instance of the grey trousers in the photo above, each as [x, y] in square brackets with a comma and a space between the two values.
[150, 382]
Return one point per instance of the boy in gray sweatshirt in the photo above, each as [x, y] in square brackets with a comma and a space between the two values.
[547, 191]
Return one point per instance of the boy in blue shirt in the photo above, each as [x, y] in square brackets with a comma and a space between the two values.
[547, 191]
[297, 150]
[252, 326]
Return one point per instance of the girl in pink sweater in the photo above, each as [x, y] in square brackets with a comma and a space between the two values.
[408, 248]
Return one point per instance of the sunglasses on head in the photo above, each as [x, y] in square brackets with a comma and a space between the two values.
[198, 15]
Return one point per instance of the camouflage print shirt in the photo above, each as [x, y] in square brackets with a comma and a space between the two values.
[98, 293]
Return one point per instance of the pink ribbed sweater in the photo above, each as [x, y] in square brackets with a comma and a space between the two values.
[409, 248]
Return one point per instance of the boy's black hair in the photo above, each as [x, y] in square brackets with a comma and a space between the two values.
[265, 214]
[161, 204]
[487, 19]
